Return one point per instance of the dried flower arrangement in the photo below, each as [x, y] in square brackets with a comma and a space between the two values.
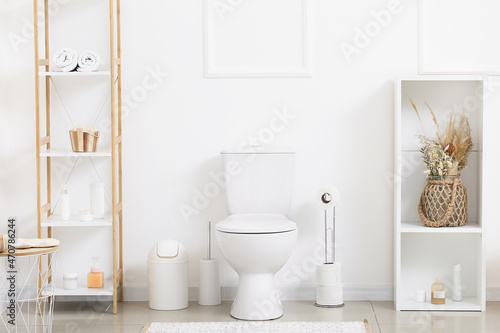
[446, 155]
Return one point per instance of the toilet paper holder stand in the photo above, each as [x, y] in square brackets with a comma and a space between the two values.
[328, 274]
[327, 198]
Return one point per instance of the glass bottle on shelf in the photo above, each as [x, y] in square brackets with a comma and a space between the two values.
[438, 292]
[95, 279]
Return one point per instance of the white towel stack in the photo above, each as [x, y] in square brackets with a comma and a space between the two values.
[66, 59]
[89, 61]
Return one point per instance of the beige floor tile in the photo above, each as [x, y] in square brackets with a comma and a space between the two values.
[139, 313]
[79, 313]
[405, 329]
[70, 328]
[117, 329]
[437, 322]
[435, 329]
[306, 311]
[387, 315]
[95, 317]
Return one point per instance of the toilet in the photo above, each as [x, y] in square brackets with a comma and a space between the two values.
[257, 238]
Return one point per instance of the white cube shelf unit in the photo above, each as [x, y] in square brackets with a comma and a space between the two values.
[423, 253]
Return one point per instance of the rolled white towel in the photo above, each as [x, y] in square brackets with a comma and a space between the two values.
[89, 61]
[66, 60]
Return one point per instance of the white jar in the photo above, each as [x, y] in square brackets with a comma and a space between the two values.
[86, 215]
[70, 281]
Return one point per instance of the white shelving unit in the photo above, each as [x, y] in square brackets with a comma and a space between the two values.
[97, 73]
[83, 290]
[419, 227]
[423, 253]
[64, 152]
[74, 221]
[51, 155]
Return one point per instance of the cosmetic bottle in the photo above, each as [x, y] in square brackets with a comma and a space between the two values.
[97, 200]
[457, 283]
[438, 292]
[64, 204]
[95, 279]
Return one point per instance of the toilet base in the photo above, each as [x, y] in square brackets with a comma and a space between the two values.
[257, 298]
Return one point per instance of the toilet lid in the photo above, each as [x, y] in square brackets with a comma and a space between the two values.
[255, 224]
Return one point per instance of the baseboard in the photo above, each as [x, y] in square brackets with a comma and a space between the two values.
[299, 293]
[308, 293]
[493, 294]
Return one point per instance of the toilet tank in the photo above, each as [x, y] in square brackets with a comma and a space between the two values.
[258, 182]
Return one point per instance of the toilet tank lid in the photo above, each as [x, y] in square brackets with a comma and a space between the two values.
[255, 224]
[256, 149]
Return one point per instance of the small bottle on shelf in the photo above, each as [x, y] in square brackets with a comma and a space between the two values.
[64, 204]
[95, 279]
[438, 292]
[457, 283]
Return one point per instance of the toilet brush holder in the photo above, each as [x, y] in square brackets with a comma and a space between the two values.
[209, 292]
[209, 286]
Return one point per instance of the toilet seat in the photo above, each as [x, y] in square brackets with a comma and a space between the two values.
[255, 224]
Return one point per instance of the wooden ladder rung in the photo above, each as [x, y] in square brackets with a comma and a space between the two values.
[117, 140]
[118, 208]
[44, 140]
[119, 274]
[117, 61]
[43, 62]
[45, 208]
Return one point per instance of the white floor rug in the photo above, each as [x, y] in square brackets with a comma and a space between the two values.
[259, 327]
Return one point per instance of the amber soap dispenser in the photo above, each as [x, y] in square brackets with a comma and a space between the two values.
[95, 279]
[438, 292]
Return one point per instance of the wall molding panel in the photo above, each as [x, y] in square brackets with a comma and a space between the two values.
[455, 38]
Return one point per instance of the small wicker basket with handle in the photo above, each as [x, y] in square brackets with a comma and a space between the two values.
[443, 203]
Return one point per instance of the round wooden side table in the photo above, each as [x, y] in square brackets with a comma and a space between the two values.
[27, 289]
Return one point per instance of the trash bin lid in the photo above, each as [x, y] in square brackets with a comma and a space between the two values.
[168, 251]
[168, 248]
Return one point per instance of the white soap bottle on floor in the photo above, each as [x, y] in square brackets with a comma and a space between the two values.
[64, 204]
[97, 200]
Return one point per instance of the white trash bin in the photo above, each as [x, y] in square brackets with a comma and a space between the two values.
[168, 276]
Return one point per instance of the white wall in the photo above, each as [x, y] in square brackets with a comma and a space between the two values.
[342, 129]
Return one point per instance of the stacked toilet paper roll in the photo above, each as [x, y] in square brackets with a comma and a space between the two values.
[329, 285]
[209, 292]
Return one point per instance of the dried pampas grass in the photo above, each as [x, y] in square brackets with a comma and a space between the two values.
[462, 142]
[456, 141]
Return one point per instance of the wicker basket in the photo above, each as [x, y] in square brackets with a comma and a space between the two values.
[443, 203]
[84, 141]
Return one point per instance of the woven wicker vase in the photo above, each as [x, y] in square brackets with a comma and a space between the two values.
[443, 203]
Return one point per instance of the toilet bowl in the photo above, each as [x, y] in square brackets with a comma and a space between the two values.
[256, 246]
[257, 238]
